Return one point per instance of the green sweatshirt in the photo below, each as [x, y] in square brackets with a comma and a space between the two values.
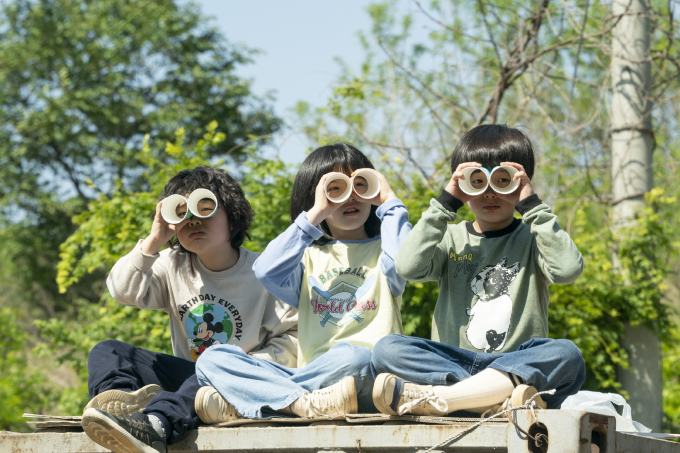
[493, 286]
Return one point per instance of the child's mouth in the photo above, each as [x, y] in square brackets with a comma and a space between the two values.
[197, 234]
[351, 211]
[491, 207]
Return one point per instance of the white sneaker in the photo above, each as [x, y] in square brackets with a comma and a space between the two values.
[211, 407]
[121, 403]
[395, 396]
[334, 401]
[520, 395]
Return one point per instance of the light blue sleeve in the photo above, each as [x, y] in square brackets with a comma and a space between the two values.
[279, 268]
[394, 229]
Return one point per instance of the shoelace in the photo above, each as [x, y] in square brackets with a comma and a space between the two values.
[321, 403]
[415, 398]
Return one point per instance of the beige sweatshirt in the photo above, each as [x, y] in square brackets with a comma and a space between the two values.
[207, 307]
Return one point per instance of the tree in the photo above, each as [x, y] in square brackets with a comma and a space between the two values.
[81, 84]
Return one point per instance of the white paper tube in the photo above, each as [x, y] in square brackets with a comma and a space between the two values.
[511, 187]
[465, 184]
[169, 209]
[198, 195]
[372, 180]
[344, 195]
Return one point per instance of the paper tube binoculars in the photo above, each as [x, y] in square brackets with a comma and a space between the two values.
[339, 186]
[478, 179]
[202, 203]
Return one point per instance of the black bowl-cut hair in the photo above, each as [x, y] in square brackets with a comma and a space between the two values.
[491, 144]
[229, 194]
[340, 157]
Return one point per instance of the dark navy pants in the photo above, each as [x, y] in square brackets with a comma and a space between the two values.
[541, 362]
[113, 364]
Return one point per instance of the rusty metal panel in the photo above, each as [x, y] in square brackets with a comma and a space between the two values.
[631, 443]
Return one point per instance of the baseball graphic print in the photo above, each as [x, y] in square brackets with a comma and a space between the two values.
[342, 303]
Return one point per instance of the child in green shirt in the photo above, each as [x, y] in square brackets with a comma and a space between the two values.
[489, 347]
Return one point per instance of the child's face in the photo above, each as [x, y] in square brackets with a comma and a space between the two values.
[492, 211]
[210, 235]
[347, 222]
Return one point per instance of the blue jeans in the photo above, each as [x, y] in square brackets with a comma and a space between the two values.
[541, 362]
[258, 387]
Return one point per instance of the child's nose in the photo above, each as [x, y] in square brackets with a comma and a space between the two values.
[490, 193]
[195, 222]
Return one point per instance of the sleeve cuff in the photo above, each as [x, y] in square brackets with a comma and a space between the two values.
[528, 204]
[385, 207]
[449, 202]
[141, 260]
[309, 229]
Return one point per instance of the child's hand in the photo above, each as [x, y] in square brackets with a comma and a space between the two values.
[453, 188]
[386, 192]
[161, 232]
[323, 207]
[524, 190]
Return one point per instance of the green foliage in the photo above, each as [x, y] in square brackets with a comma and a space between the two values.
[111, 227]
[82, 84]
[114, 223]
[22, 387]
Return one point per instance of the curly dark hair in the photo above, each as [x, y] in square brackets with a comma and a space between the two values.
[491, 144]
[341, 157]
[229, 194]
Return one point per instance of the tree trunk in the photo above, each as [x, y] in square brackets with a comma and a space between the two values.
[632, 146]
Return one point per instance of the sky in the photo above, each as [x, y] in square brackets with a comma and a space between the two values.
[299, 41]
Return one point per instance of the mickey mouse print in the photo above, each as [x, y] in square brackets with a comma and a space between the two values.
[490, 316]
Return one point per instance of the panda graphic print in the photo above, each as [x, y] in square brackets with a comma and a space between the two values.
[490, 315]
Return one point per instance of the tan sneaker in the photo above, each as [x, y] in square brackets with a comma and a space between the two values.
[395, 396]
[211, 407]
[121, 403]
[520, 395]
[334, 401]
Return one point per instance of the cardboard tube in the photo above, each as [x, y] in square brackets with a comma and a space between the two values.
[169, 209]
[343, 193]
[511, 187]
[198, 195]
[465, 184]
[372, 180]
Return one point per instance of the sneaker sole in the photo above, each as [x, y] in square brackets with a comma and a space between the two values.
[378, 388]
[523, 392]
[121, 403]
[349, 391]
[201, 406]
[110, 435]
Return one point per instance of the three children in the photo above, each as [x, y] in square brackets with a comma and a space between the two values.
[334, 268]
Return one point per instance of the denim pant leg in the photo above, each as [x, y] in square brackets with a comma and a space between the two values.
[423, 361]
[546, 364]
[113, 364]
[340, 361]
[258, 387]
[247, 382]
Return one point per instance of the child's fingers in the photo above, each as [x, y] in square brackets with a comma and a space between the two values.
[465, 165]
[520, 175]
[519, 167]
[178, 226]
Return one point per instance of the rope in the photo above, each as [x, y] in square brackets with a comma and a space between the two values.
[530, 404]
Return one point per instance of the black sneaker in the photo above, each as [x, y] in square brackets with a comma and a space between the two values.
[133, 433]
